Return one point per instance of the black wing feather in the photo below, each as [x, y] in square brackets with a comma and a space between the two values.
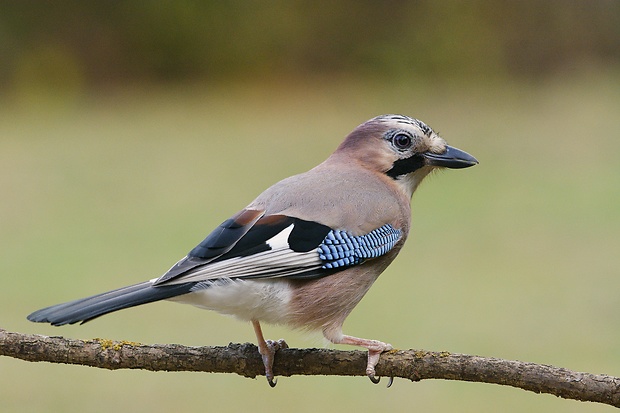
[255, 239]
[218, 242]
[307, 235]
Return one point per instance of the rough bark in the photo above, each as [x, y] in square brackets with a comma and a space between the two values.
[243, 359]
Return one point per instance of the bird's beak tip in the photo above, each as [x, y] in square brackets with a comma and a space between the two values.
[452, 158]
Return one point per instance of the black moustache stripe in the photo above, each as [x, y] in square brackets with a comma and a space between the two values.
[406, 166]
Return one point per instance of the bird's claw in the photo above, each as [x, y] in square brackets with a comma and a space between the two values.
[373, 359]
[269, 356]
[373, 379]
[278, 345]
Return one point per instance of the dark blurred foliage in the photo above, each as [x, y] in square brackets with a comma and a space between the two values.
[84, 43]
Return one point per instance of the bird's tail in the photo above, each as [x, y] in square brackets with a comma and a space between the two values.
[88, 308]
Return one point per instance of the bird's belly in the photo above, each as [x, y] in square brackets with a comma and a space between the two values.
[262, 300]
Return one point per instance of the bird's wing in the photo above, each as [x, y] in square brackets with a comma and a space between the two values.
[220, 241]
[254, 245]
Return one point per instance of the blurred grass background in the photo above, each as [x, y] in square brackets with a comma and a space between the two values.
[129, 131]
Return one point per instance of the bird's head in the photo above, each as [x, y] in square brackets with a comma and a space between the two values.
[403, 148]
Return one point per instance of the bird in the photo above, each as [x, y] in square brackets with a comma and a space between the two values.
[307, 249]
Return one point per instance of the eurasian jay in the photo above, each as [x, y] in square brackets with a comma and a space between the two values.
[306, 250]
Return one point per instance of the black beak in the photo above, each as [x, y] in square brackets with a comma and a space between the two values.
[451, 158]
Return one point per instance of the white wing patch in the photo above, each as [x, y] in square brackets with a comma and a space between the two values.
[279, 261]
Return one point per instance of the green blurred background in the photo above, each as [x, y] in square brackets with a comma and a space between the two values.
[128, 130]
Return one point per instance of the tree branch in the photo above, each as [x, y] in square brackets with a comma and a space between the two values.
[243, 359]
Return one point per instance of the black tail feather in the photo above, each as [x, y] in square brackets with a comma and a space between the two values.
[92, 307]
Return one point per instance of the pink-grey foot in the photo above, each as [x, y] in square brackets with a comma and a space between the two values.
[375, 348]
[267, 349]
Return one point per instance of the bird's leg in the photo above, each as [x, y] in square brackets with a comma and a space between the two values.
[267, 350]
[375, 348]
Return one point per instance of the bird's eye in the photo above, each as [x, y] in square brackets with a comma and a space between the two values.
[401, 141]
